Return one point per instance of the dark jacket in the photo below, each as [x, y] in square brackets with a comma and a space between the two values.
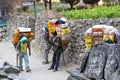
[59, 46]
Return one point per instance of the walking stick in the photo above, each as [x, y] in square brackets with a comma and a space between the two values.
[17, 60]
[16, 54]
[63, 59]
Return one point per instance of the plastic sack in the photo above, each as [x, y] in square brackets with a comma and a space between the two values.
[65, 30]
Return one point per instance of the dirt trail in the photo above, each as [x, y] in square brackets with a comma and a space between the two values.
[39, 71]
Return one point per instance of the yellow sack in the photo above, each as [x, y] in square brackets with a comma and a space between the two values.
[88, 46]
[88, 39]
[65, 30]
[88, 42]
[51, 27]
[111, 37]
[16, 36]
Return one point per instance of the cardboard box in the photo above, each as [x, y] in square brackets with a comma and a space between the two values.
[65, 44]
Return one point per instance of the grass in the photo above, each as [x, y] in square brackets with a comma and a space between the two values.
[95, 13]
[58, 7]
[55, 6]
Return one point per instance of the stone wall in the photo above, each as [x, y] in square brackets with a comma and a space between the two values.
[78, 27]
[21, 21]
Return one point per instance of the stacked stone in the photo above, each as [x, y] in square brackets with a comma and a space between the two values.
[78, 27]
[4, 35]
[9, 72]
[41, 21]
[21, 21]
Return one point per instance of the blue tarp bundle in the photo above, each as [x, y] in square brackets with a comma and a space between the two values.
[3, 21]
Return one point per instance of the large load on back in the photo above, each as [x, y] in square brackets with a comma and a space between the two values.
[99, 33]
[19, 32]
[62, 29]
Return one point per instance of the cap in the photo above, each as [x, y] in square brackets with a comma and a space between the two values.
[23, 39]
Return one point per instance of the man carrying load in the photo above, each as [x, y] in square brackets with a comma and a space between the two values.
[21, 49]
[48, 45]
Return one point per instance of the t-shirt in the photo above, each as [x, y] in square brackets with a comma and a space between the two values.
[22, 47]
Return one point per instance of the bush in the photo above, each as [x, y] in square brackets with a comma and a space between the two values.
[90, 1]
[95, 13]
[59, 9]
[71, 2]
[62, 1]
[25, 8]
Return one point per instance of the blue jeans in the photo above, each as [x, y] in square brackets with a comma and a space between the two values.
[25, 56]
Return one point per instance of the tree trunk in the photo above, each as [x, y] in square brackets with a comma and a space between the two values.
[71, 5]
[45, 4]
[50, 4]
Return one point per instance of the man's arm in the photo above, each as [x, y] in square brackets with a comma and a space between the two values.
[58, 42]
[18, 45]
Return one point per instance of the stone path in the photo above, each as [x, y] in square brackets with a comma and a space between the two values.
[39, 71]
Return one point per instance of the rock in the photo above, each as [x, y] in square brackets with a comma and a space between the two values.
[78, 67]
[117, 54]
[6, 64]
[96, 62]
[13, 76]
[71, 78]
[3, 74]
[115, 76]
[84, 61]
[101, 20]
[11, 69]
[77, 75]
[102, 62]
[4, 79]
[1, 63]
[112, 63]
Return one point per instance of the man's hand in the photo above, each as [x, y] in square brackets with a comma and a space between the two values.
[29, 53]
[17, 53]
[50, 39]
[56, 44]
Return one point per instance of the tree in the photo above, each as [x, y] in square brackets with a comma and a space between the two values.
[11, 4]
[50, 4]
[91, 1]
[71, 2]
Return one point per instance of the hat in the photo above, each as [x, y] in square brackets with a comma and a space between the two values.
[54, 33]
[23, 39]
[63, 19]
